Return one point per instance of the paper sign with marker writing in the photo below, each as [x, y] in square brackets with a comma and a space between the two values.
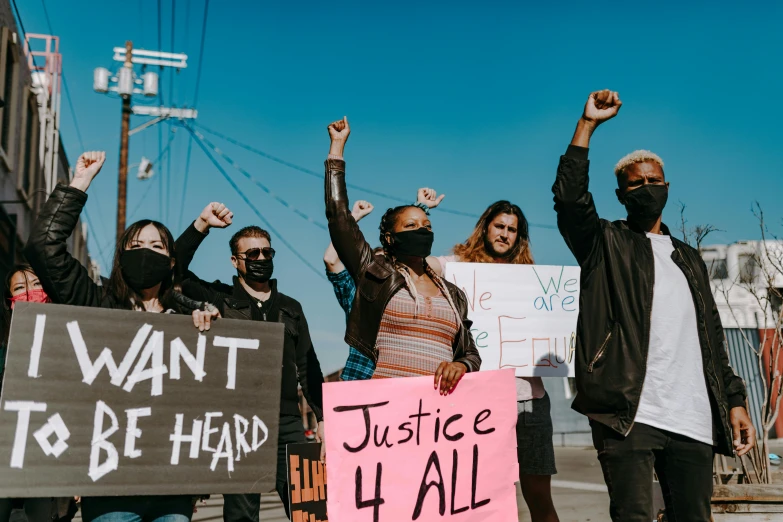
[102, 402]
[524, 316]
[398, 450]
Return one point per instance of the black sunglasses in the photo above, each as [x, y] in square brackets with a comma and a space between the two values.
[254, 253]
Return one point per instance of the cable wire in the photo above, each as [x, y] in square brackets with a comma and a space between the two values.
[320, 176]
[67, 90]
[242, 195]
[258, 183]
[201, 53]
[171, 101]
[195, 102]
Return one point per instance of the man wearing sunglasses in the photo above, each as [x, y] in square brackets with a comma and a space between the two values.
[254, 296]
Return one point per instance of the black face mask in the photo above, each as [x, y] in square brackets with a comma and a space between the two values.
[413, 243]
[646, 203]
[258, 271]
[144, 268]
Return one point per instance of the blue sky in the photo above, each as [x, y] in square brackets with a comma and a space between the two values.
[474, 99]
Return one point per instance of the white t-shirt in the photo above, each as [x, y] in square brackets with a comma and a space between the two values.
[674, 395]
[527, 387]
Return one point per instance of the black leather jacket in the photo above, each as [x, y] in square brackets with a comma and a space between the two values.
[615, 304]
[376, 278]
[300, 363]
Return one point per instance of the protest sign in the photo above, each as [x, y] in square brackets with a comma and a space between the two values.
[306, 483]
[102, 402]
[398, 450]
[524, 316]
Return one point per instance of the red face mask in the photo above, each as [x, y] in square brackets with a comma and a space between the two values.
[31, 296]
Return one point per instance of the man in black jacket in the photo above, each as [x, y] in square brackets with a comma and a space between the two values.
[652, 372]
[254, 296]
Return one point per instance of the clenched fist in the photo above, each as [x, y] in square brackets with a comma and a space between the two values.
[429, 197]
[87, 167]
[601, 106]
[214, 215]
[338, 133]
[361, 209]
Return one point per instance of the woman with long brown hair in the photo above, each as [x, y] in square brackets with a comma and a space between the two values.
[405, 317]
[142, 279]
[501, 236]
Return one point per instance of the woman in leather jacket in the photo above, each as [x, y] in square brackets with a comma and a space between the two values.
[142, 278]
[405, 317]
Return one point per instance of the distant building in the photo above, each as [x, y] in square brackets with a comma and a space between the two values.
[32, 159]
[742, 275]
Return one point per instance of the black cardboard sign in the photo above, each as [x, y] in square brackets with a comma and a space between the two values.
[306, 483]
[102, 402]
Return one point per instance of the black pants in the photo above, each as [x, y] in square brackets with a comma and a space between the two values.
[40, 509]
[683, 465]
[245, 508]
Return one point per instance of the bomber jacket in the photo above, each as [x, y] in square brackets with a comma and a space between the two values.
[66, 281]
[377, 280]
[615, 303]
[300, 363]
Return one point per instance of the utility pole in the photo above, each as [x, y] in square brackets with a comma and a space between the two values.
[125, 80]
[122, 184]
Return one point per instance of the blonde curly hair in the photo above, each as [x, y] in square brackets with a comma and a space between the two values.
[637, 156]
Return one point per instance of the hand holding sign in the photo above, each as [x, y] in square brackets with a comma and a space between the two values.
[403, 452]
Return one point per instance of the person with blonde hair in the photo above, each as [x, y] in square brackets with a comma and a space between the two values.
[652, 372]
[501, 236]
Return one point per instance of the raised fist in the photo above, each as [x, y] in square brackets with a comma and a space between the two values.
[339, 130]
[361, 209]
[429, 197]
[601, 106]
[89, 164]
[216, 215]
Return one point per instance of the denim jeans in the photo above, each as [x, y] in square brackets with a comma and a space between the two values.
[683, 465]
[122, 516]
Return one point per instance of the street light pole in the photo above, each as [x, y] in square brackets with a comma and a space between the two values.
[122, 184]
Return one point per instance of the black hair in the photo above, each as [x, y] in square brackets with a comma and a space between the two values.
[119, 289]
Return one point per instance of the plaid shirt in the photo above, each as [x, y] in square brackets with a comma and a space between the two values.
[358, 367]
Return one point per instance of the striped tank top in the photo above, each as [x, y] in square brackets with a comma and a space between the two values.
[415, 336]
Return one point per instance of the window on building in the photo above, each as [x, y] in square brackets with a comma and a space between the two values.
[9, 79]
[748, 267]
[718, 269]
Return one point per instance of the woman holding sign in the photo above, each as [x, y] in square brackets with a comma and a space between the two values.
[142, 279]
[501, 236]
[406, 318]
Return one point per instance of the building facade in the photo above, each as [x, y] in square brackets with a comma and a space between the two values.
[32, 158]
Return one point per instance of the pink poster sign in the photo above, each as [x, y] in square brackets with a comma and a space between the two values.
[397, 450]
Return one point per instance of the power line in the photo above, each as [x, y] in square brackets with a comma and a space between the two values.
[185, 183]
[165, 151]
[320, 176]
[242, 195]
[195, 102]
[75, 122]
[160, 127]
[258, 183]
[201, 53]
[171, 100]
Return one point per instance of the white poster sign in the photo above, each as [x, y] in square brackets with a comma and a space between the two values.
[524, 316]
